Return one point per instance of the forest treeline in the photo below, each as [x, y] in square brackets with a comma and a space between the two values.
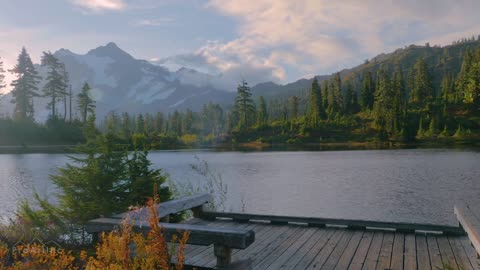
[430, 96]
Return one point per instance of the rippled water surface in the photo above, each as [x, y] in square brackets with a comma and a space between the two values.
[390, 185]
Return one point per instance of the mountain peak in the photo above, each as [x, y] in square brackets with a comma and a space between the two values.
[111, 50]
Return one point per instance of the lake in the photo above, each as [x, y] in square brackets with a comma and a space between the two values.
[410, 185]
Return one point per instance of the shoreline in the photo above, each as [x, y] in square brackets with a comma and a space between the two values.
[262, 146]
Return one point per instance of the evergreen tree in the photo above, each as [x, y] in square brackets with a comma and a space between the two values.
[140, 124]
[126, 126]
[316, 111]
[383, 106]
[337, 92]
[24, 87]
[2, 75]
[367, 94]
[158, 125]
[105, 179]
[55, 87]
[262, 114]
[399, 99]
[325, 95]
[422, 92]
[348, 99]
[294, 107]
[85, 104]
[472, 88]
[244, 106]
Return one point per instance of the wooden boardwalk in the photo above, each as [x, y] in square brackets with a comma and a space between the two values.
[302, 247]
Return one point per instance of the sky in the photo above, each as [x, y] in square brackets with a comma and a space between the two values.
[260, 40]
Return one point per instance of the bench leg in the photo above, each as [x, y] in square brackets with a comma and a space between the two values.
[223, 254]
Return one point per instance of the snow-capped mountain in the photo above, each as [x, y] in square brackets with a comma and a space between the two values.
[122, 83]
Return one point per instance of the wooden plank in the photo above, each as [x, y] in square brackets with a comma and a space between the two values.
[169, 207]
[338, 251]
[410, 257]
[386, 251]
[461, 257]
[317, 248]
[398, 252]
[470, 223]
[314, 221]
[277, 250]
[470, 251]
[273, 234]
[349, 252]
[291, 250]
[434, 252]
[448, 258]
[199, 235]
[323, 255]
[361, 252]
[423, 259]
[307, 247]
[373, 251]
[271, 244]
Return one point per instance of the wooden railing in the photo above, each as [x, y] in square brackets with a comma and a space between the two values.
[222, 239]
[350, 223]
[469, 218]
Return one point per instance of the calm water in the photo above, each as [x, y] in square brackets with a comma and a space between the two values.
[389, 185]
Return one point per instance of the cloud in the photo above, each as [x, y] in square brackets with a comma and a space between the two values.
[100, 5]
[283, 39]
[153, 22]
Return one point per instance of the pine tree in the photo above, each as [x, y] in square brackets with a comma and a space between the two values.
[2, 75]
[472, 88]
[140, 124]
[262, 114]
[422, 92]
[24, 87]
[158, 125]
[337, 91]
[348, 99]
[367, 94]
[105, 178]
[85, 104]
[316, 111]
[55, 86]
[325, 94]
[126, 126]
[244, 106]
[383, 106]
[294, 107]
[399, 99]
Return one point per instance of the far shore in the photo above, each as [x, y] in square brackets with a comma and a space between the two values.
[264, 146]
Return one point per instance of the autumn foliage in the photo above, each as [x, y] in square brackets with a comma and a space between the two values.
[120, 249]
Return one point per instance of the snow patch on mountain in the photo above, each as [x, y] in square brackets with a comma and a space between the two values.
[98, 65]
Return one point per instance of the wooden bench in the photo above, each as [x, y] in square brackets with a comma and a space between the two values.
[469, 219]
[222, 239]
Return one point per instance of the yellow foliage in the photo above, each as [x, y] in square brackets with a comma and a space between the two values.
[117, 250]
[189, 139]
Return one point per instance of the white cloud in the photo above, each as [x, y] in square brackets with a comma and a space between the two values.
[278, 37]
[99, 5]
[153, 22]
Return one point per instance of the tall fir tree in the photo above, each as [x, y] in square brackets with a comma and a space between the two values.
[55, 87]
[262, 113]
[294, 107]
[85, 103]
[422, 92]
[316, 111]
[25, 87]
[244, 106]
[2, 75]
[367, 94]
